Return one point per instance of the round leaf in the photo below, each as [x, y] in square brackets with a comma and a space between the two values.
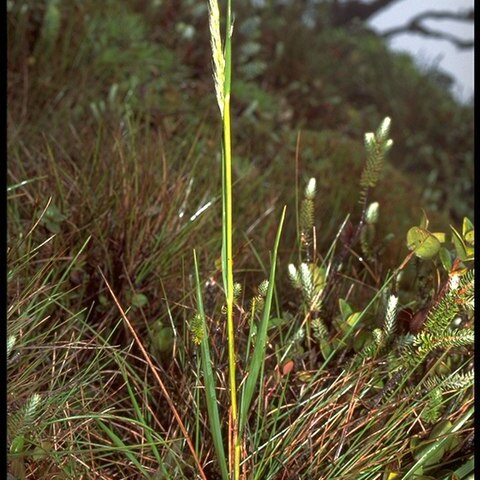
[163, 340]
[139, 300]
[422, 242]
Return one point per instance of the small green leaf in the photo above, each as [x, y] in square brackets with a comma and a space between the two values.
[440, 236]
[442, 368]
[445, 258]
[304, 376]
[18, 444]
[42, 451]
[389, 475]
[325, 349]
[53, 213]
[353, 319]
[453, 442]
[460, 246]
[163, 340]
[470, 237]
[362, 339]
[468, 230]
[418, 472]
[52, 227]
[414, 442]
[440, 429]
[139, 300]
[318, 277]
[345, 308]
[422, 242]
[276, 322]
[424, 220]
[102, 299]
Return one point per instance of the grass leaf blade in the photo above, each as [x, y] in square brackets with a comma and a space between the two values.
[258, 356]
[211, 397]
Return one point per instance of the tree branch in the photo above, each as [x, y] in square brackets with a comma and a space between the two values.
[415, 26]
[344, 13]
[465, 16]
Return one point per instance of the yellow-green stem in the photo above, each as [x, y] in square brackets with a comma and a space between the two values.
[227, 145]
[229, 255]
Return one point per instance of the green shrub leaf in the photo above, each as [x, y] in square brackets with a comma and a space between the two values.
[423, 243]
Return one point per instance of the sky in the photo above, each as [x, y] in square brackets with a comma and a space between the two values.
[429, 51]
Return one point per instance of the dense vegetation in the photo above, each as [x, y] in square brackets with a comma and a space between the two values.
[115, 176]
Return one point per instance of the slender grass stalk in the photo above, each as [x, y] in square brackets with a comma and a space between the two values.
[222, 62]
[222, 71]
[228, 238]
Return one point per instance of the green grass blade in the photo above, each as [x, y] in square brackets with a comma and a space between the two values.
[211, 397]
[466, 470]
[118, 442]
[16, 186]
[258, 355]
[65, 275]
[141, 418]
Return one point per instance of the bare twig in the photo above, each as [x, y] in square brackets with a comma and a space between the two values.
[415, 26]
